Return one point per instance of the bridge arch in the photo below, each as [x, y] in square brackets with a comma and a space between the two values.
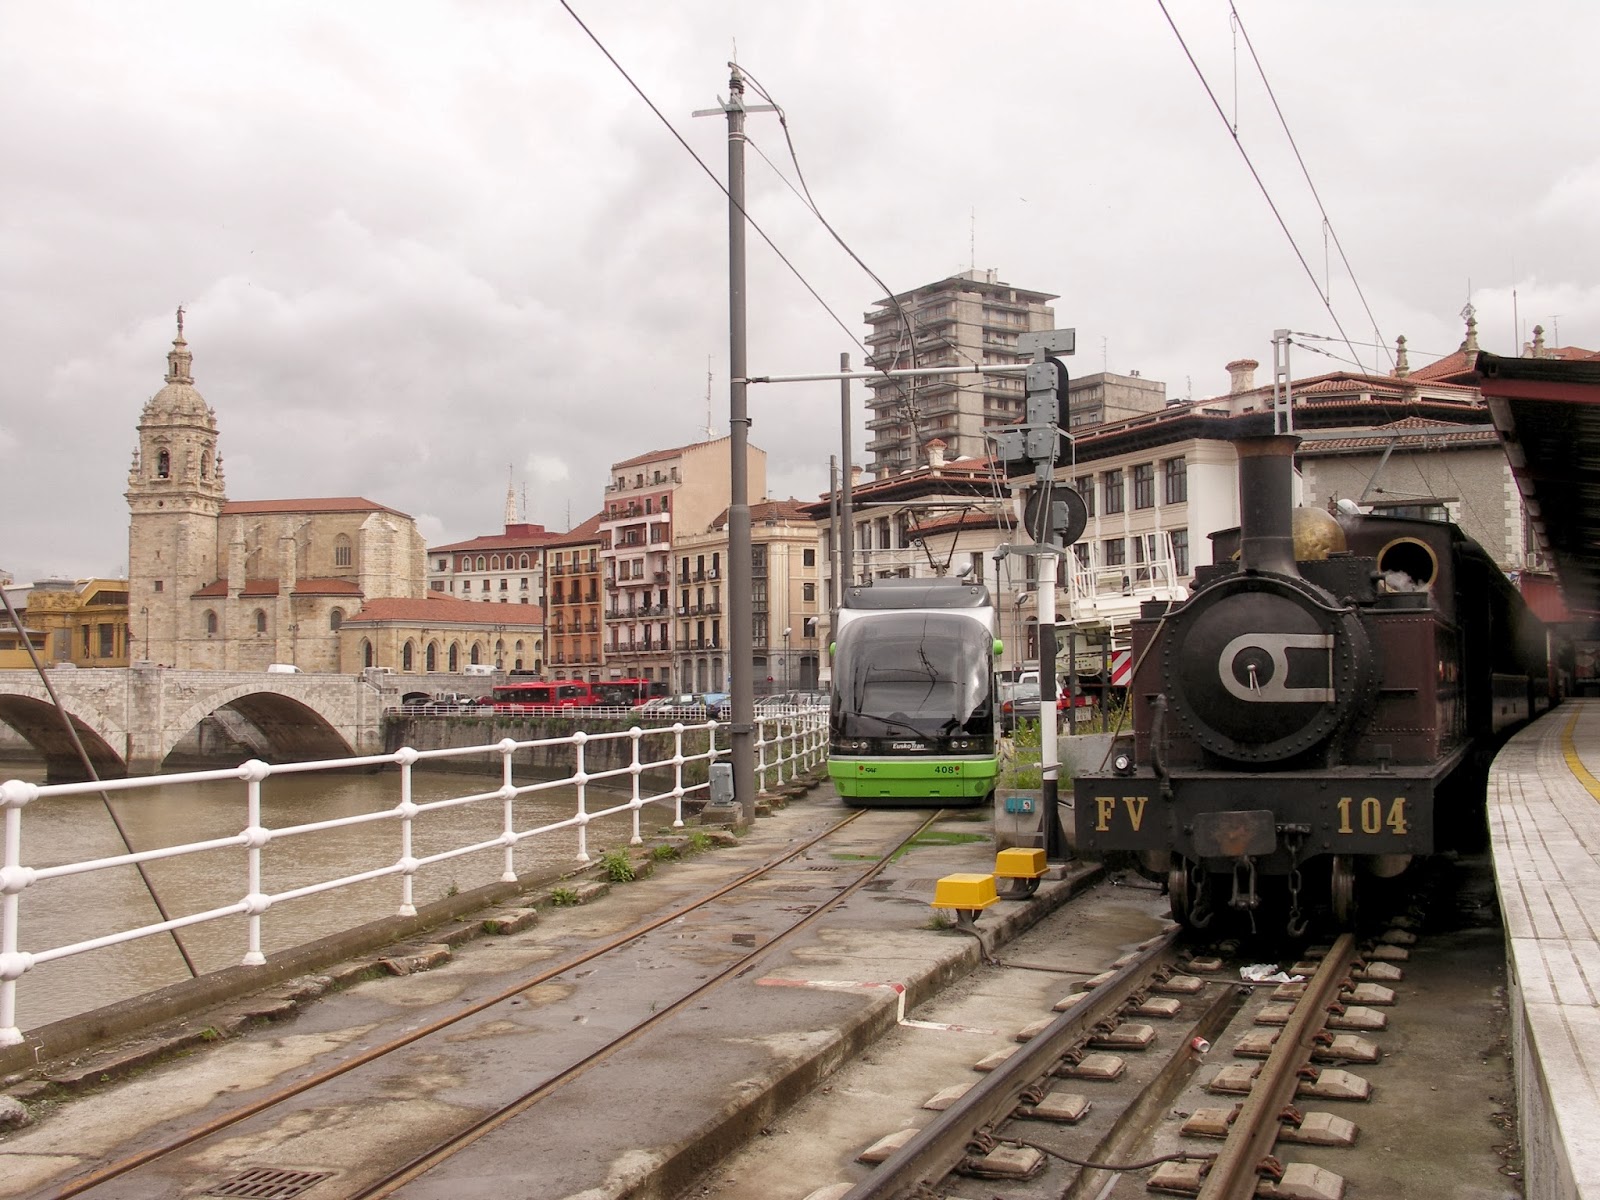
[30, 712]
[294, 731]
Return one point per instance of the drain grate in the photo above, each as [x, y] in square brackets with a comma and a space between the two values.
[268, 1183]
[824, 867]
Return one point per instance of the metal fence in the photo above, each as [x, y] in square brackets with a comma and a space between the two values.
[786, 743]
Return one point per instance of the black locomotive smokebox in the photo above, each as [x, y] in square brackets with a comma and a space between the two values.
[1270, 668]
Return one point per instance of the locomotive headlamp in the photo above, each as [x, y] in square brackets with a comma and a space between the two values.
[1122, 762]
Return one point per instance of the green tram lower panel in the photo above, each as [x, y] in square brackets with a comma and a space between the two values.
[913, 778]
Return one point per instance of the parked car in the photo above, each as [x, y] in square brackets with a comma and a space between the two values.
[1018, 702]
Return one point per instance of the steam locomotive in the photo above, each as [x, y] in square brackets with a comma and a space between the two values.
[1321, 708]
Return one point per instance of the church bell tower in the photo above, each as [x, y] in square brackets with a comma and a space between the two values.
[175, 497]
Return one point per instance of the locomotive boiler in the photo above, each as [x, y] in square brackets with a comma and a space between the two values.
[1321, 708]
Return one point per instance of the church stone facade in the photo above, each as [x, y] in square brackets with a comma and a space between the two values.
[235, 585]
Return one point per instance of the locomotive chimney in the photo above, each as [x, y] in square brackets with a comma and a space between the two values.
[1266, 496]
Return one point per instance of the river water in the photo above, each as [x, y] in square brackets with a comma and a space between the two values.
[57, 912]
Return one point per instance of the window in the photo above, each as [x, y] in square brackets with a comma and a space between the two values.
[431, 658]
[405, 657]
[473, 654]
[163, 465]
[336, 619]
[503, 584]
[438, 585]
[454, 658]
[106, 640]
[211, 621]
[1176, 471]
[808, 592]
[1084, 486]
[261, 620]
[1111, 486]
[1144, 485]
[160, 586]
[808, 558]
[341, 551]
[1180, 552]
[494, 562]
[466, 585]
[523, 563]
[366, 653]
[481, 562]
[444, 564]
[1114, 552]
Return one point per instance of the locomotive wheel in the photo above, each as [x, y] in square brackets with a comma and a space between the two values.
[1342, 889]
[1188, 908]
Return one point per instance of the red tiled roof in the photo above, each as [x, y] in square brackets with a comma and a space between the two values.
[327, 505]
[501, 541]
[446, 610]
[966, 520]
[326, 587]
[1406, 433]
[1451, 365]
[657, 455]
[1571, 353]
[580, 535]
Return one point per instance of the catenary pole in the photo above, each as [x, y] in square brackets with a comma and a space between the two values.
[847, 525]
[740, 635]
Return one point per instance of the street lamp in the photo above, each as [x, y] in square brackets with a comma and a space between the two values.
[786, 632]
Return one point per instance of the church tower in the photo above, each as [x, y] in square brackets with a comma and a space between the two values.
[175, 497]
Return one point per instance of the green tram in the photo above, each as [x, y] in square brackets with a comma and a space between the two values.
[912, 719]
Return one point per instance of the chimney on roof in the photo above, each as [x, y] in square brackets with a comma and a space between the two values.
[1402, 368]
[1538, 343]
[855, 475]
[1241, 375]
[936, 453]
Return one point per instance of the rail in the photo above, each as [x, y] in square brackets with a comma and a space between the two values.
[786, 744]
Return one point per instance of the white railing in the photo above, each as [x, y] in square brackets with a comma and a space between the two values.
[785, 744]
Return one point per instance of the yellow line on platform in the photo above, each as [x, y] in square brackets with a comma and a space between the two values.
[1574, 763]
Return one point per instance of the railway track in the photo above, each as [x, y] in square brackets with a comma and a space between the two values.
[1169, 1074]
[182, 1158]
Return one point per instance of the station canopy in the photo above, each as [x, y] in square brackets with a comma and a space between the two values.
[1547, 411]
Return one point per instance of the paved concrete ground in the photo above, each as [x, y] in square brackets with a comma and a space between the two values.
[642, 1123]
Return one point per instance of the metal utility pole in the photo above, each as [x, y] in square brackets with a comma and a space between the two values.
[847, 525]
[1282, 389]
[741, 647]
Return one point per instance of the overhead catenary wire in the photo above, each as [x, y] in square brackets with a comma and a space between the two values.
[710, 174]
[1327, 222]
[1256, 175]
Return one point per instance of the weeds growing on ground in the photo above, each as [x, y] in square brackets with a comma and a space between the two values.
[618, 866]
[563, 897]
[699, 841]
[664, 853]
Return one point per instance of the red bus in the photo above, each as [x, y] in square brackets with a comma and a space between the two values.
[513, 697]
[625, 693]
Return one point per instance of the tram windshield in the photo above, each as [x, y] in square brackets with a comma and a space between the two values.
[923, 674]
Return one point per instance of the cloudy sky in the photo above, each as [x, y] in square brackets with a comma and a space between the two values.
[422, 245]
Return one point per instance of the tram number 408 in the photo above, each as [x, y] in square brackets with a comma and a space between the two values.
[1370, 815]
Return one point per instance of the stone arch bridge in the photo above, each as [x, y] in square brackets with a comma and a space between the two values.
[129, 720]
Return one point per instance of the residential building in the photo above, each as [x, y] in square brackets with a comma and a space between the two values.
[572, 603]
[970, 319]
[786, 599]
[504, 568]
[647, 499]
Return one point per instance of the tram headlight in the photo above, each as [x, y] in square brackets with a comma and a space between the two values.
[961, 744]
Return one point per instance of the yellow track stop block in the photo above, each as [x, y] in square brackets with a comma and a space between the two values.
[970, 892]
[1019, 863]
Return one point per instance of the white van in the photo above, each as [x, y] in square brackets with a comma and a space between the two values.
[477, 669]
[282, 669]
